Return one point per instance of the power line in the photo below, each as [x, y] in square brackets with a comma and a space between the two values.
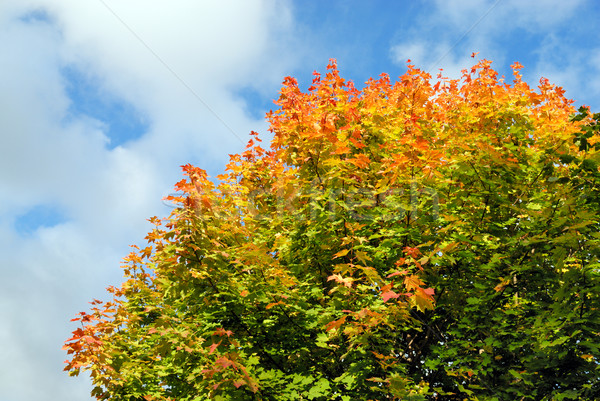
[468, 31]
[188, 87]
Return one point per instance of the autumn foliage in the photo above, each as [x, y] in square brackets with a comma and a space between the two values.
[428, 239]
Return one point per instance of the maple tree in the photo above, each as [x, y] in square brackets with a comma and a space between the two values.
[423, 239]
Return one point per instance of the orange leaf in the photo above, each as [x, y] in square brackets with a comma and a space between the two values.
[334, 325]
[412, 282]
[206, 202]
[341, 148]
[357, 144]
[272, 304]
[360, 161]
[502, 285]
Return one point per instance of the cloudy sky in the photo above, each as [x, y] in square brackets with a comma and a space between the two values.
[101, 101]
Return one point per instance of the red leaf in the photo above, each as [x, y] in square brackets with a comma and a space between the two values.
[402, 273]
[224, 362]
[412, 251]
[388, 295]
[214, 346]
[221, 332]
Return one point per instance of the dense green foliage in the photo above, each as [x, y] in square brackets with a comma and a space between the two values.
[410, 241]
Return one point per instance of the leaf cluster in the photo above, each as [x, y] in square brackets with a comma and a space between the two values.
[423, 239]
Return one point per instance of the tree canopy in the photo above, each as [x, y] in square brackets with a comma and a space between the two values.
[424, 239]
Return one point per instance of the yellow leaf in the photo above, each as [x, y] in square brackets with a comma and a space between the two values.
[362, 256]
[412, 282]
[341, 253]
[421, 301]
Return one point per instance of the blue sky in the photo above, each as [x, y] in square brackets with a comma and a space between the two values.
[103, 100]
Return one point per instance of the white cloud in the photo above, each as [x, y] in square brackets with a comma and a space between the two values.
[538, 15]
[50, 156]
[500, 31]
[575, 71]
[499, 16]
[430, 57]
[416, 52]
